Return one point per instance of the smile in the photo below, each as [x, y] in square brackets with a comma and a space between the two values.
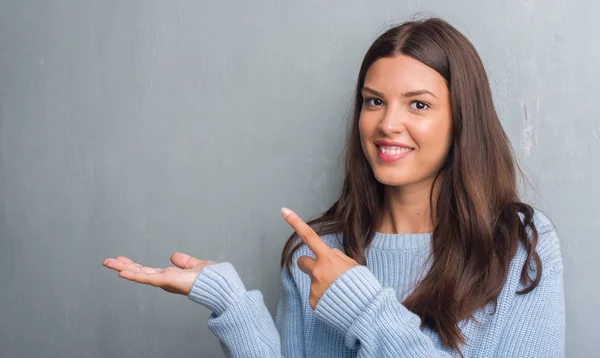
[389, 154]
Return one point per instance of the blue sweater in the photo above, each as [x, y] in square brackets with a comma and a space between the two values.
[361, 314]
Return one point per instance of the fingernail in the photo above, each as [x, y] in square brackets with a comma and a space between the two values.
[286, 212]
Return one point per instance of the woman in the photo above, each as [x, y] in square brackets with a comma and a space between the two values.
[428, 252]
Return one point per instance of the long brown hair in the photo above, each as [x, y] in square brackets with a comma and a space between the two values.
[478, 227]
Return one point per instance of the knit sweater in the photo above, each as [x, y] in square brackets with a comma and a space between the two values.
[361, 314]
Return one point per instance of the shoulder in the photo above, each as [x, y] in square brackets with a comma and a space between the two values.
[548, 238]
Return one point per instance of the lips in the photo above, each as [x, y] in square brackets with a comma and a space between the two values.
[389, 152]
[385, 143]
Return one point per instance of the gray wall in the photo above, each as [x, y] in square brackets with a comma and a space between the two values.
[144, 128]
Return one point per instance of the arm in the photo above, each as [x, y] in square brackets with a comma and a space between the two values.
[536, 324]
[240, 319]
[349, 297]
[372, 319]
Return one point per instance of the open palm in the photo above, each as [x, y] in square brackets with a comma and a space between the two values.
[177, 280]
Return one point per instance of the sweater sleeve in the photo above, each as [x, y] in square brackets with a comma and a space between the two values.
[372, 319]
[240, 318]
[536, 326]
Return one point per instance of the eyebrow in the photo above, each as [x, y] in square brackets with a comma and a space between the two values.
[405, 94]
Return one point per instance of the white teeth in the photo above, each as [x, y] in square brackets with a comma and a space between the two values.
[394, 150]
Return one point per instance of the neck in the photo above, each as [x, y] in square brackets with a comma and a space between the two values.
[406, 208]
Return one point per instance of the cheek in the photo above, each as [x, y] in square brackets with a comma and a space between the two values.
[365, 132]
[433, 139]
[368, 123]
[362, 127]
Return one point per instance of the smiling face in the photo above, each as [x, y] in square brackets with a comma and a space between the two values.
[405, 122]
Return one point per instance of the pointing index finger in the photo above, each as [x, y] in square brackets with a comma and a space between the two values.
[308, 235]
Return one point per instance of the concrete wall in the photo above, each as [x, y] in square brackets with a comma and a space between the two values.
[144, 128]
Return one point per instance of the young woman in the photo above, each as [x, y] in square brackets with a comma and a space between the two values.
[428, 252]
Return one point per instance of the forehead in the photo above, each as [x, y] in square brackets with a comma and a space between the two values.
[402, 74]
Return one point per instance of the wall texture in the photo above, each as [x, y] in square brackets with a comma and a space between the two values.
[144, 128]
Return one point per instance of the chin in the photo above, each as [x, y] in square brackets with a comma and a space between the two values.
[393, 179]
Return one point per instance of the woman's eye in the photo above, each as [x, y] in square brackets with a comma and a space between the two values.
[419, 106]
[372, 101]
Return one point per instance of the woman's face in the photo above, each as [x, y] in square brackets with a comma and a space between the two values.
[405, 121]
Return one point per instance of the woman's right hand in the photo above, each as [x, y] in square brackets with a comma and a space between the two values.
[177, 280]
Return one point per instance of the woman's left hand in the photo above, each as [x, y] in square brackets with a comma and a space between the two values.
[177, 280]
[330, 263]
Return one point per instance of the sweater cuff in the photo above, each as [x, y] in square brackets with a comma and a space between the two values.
[347, 298]
[217, 287]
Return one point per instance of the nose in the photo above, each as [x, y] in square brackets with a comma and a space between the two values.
[393, 121]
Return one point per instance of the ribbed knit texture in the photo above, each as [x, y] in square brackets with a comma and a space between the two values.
[361, 315]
